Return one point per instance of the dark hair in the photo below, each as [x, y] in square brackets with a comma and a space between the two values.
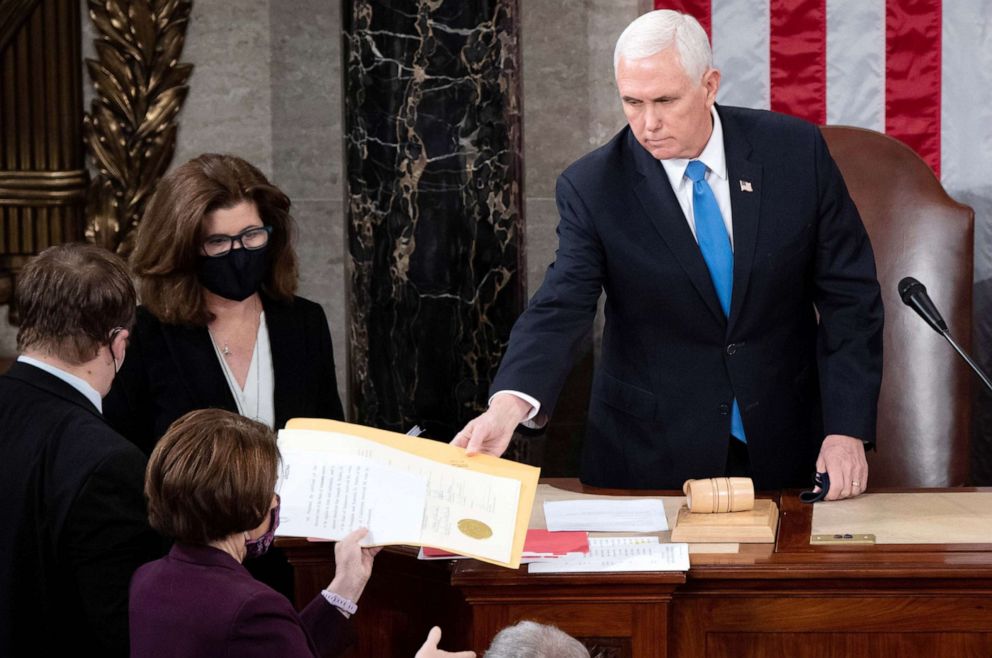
[212, 475]
[168, 244]
[70, 298]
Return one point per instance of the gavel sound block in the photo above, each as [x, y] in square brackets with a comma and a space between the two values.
[724, 510]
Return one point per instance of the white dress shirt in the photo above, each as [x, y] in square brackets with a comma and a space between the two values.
[72, 380]
[714, 157]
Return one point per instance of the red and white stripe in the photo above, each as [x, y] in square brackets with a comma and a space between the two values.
[919, 70]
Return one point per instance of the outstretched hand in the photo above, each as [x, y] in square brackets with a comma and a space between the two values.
[430, 650]
[843, 459]
[490, 433]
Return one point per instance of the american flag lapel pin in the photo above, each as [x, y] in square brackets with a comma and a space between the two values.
[746, 186]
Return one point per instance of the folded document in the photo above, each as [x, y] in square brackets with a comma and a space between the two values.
[337, 477]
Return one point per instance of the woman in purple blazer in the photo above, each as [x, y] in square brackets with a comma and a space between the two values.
[210, 485]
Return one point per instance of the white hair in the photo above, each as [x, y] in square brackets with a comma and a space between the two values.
[529, 639]
[655, 31]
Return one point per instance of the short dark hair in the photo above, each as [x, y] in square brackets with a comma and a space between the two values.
[167, 247]
[212, 475]
[70, 298]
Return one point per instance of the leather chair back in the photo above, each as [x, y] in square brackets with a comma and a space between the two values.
[916, 229]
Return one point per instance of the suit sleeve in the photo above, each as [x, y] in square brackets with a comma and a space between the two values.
[329, 400]
[105, 538]
[545, 339]
[268, 626]
[331, 631]
[848, 299]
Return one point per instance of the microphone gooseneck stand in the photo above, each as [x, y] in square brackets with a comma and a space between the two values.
[914, 294]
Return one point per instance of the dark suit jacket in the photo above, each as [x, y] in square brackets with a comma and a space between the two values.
[200, 601]
[672, 363]
[73, 524]
[170, 370]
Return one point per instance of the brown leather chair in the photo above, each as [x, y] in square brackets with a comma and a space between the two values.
[924, 414]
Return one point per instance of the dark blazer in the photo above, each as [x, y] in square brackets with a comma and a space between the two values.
[170, 370]
[200, 601]
[672, 363]
[73, 524]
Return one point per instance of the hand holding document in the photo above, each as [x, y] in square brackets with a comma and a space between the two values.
[405, 490]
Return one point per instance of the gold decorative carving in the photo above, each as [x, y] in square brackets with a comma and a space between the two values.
[130, 130]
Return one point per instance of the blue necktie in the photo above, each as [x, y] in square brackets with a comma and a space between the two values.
[714, 243]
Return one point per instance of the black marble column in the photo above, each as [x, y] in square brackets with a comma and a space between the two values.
[435, 222]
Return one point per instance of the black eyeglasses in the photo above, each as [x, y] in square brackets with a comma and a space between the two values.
[253, 238]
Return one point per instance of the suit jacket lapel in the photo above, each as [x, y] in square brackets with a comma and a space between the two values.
[660, 205]
[744, 176]
[194, 356]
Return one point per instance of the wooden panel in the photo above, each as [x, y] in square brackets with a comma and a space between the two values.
[746, 611]
[651, 631]
[848, 645]
[597, 619]
[402, 601]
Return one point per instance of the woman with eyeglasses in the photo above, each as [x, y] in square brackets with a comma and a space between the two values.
[220, 325]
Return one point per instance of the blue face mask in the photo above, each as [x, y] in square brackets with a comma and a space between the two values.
[261, 546]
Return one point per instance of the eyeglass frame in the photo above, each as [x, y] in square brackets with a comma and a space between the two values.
[239, 238]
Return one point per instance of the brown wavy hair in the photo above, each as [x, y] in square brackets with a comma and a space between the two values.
[211, 475]
[168, 244]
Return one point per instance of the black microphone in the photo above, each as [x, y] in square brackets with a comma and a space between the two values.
[914, 295]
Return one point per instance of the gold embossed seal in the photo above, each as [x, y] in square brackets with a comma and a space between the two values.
[475, 529]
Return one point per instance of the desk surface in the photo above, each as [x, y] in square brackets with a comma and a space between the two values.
[791, 557]
[788, 598]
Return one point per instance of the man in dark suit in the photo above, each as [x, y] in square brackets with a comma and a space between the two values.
[73, 513]
[743, 315]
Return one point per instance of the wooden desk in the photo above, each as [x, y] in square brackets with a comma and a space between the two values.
[788, 599]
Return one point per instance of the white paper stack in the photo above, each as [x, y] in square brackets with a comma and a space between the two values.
[620, 554]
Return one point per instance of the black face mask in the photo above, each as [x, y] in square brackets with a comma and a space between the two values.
[236, 275]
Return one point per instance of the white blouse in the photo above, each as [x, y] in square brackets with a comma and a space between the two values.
[256, 399]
